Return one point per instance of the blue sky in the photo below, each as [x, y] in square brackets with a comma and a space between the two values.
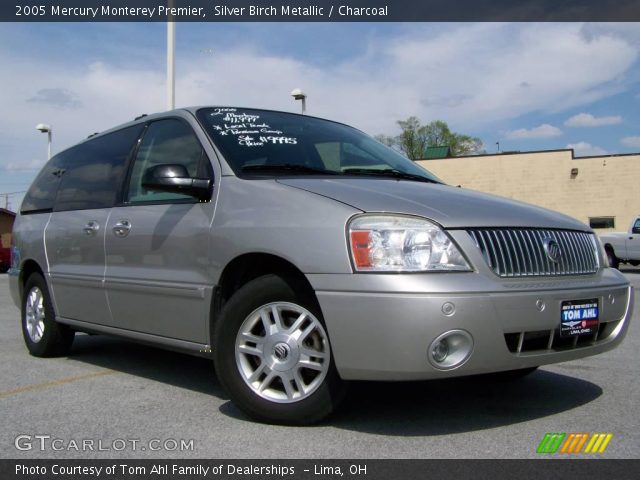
[528, 86]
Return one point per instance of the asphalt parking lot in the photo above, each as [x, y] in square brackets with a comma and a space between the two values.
[121, 394]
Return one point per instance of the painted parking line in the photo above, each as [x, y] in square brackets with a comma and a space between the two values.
[55, 383]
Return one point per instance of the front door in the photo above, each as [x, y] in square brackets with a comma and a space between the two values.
[156, 243]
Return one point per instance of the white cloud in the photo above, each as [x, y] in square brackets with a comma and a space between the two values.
[503, 71]
[30, 165]
[588, 120]
[633, 142]
[584, 149]
[469, 75]
[59, 97]
[542, 131]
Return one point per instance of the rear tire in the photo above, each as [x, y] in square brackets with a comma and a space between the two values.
[43, 336]
[614, 262]
[272, 354]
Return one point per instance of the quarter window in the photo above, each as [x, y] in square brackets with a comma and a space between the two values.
[42, 193]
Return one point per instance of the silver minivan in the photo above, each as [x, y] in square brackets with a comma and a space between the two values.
[299, 254]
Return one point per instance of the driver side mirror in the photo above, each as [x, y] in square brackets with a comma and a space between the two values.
[635, 230]
[174, 178]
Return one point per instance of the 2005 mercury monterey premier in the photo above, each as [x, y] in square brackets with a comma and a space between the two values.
[300, 253]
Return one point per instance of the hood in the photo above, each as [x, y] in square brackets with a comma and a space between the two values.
[451, 207]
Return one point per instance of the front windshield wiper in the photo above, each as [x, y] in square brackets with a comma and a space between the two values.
[388, 172]
[287, 167]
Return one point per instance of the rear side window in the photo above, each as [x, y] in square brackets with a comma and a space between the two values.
[42, 194]
[93, 171]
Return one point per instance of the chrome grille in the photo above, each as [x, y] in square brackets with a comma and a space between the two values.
[520, 252]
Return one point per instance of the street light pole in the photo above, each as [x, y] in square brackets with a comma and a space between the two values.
[171, 60]
[44, 128]
[298, 94]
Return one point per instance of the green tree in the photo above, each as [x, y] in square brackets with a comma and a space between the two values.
[414, 139]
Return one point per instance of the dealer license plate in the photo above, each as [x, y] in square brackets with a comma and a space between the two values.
[579, 317]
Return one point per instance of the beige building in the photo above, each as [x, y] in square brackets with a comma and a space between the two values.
[602, 191]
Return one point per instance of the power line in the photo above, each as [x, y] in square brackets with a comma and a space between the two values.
[6, 196]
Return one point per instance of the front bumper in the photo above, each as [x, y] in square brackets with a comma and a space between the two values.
[381, 326]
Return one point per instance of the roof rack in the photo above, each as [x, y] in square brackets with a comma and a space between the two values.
[93, 134]
[140, 116]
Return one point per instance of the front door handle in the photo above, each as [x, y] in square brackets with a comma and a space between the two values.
[91, 228]
[121, 229]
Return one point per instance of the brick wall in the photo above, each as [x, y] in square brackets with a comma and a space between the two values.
[6, 225]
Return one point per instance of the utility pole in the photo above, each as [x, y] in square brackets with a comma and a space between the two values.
[171, 59]
[6, 196]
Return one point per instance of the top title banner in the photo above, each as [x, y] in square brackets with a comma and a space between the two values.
[319, 10]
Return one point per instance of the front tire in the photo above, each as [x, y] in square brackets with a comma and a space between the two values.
[43, 336]
[272, 354]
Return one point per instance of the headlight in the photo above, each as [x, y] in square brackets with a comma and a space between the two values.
[396, 243]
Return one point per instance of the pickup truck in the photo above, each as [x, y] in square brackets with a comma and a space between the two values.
[623, 247]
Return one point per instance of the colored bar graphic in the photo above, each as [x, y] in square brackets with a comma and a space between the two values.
[568, 444]
[581, 443]
[598, 443]
[550, 442]
[574, 442]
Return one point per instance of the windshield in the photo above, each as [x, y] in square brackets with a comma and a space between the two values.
[261, 142]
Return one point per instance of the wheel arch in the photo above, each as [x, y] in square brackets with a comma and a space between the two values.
[28, 268]
[249, 266]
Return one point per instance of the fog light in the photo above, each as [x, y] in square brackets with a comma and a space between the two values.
[450, 350]
[440, 350]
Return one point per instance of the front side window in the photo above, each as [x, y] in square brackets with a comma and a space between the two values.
[170, 141]
[276, 143]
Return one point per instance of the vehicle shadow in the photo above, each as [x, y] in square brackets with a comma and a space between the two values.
[177, 369]
[629, 269]
[442, 407]
[437, 407]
